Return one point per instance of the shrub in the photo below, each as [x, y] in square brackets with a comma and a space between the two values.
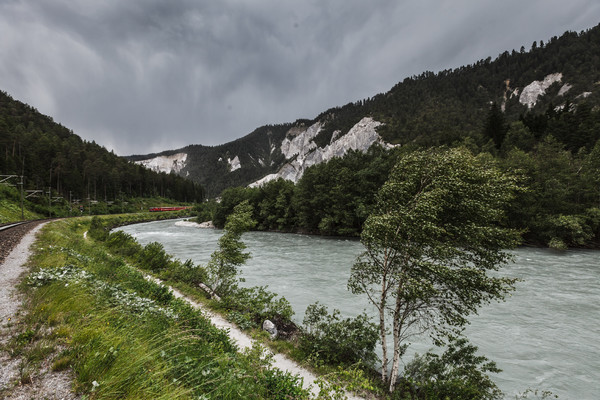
[185, 272]
[97, 230]
[457, 374]
[154, 257]
[259, 304]
[338, 341]
[123, 244]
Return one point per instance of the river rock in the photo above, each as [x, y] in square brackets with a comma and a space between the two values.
[271, 328]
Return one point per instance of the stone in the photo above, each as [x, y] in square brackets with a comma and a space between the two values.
[270, 328]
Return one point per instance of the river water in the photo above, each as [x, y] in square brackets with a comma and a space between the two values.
[545, 336]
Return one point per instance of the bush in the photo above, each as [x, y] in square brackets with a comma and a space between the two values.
[338, 341]
[97, 230]
[154, 257]
[185, 272]
[258, 304]
[457, 374]
[123, 244]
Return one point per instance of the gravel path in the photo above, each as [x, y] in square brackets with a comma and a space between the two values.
[244, 341]
[52, 385]
[45, 384]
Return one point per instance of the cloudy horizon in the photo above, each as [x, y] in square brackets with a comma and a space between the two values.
[148, 76]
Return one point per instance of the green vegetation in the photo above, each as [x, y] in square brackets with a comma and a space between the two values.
[124, 336]
[448, 107]
[456, 374]
[430, 242]
[10, 206]
[560, 207]
[333, 340]
[222, 268]
[49, 155]
[333, 198]
[317, 343]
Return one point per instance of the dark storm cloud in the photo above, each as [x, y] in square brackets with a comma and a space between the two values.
[142, 76]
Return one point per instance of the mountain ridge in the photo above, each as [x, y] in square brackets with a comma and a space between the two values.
[430, 109]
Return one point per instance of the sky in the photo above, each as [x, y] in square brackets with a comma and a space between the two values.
[143, 76]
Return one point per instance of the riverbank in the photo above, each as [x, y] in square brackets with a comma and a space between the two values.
[125, 337]
[542, 336]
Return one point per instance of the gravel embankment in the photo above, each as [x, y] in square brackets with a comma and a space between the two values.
[11, 237]
[15, 246]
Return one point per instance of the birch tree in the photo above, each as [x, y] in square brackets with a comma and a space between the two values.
[430, 242]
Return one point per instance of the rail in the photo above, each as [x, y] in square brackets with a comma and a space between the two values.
[12, 225]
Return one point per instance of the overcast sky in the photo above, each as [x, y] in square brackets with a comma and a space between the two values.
[141, 76]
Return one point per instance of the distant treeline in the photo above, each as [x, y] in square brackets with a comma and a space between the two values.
[559, 206]
[50, 155]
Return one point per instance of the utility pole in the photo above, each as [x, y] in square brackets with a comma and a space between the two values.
[22, 213]
[22, 173]
[49, 202]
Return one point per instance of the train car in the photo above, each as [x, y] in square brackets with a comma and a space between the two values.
[159, 209]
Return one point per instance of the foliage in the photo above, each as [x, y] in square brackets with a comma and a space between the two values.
[185, 272]
[154, 257]
[10, 206]
[258, 304]
[97, 230]
[222, 267]
[429, 245]
[124, 337]
[51, 156]
[457, 374]
[332, 198]
[122, 243]
[334, 340]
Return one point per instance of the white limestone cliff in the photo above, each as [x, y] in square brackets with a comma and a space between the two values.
[302, 151]
[234, 164]
[535, 89]
[174, 163]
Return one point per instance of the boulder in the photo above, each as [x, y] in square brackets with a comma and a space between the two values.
[271, 328]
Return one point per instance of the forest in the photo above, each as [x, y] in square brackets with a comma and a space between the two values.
[49, 155]
[559, 205]
[552, 146]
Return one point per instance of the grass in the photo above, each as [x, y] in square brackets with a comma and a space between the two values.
[10, 206]
[122, 336]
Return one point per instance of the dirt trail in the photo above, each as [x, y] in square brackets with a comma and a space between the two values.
[53, 385]
[45, 384]
[244, 341]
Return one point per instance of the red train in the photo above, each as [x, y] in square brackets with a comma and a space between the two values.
[156, 209]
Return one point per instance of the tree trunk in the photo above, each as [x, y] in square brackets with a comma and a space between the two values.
[396, 330]
[384, 356]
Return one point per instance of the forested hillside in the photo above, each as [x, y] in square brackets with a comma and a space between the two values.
[551, 88]
[256, 153]
[48, 154]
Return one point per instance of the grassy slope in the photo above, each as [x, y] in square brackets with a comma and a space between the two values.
[10, 206]
[123, 336]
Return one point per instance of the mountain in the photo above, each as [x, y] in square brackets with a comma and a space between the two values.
[48, 154]
[444, 108]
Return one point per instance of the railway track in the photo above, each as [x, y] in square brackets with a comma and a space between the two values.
[11, 234]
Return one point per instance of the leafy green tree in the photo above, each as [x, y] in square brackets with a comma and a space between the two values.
[223, 264]
[518, 136]
[432, 238]
[456, 374]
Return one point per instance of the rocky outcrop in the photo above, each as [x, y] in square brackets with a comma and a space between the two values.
[234, 164]
[535, 89]
[299, 147]
[173, 163]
